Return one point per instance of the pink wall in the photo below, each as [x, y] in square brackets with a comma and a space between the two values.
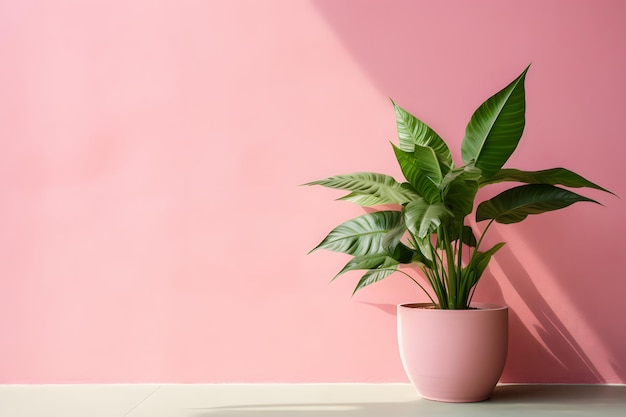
[151, 227]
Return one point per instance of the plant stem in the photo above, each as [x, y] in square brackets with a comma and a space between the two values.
[452, 275]
[472, 290]
[483, 235]
[459, 267]
[437, 279]
[419, 285]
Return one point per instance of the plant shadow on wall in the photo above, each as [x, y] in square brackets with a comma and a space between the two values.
[546, 340]
[429, 229]
[540, 336]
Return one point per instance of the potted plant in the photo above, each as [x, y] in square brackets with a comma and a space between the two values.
[451, 349]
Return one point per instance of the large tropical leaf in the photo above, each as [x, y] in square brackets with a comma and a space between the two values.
[460, 197]
[495, 128]
[424, 247]
[393, 245]
[364, 200]
[479, 263]
[362, 235]
[468, 237]
[554, 176]
[419, 179]
[366, 262]
[423, 218]
[375, 275]
[514, 205]
[368, 188]
[466, 172]
[429, 164]
[474, 270]
[412, 131]
[392, 239]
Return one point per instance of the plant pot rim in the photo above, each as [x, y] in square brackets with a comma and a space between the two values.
[474, 307]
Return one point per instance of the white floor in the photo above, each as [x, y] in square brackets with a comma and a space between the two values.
[308, 400]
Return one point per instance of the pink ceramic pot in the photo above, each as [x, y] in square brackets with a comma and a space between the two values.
[453, 355]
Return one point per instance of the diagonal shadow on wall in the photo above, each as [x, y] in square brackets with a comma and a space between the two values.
[541, 340]
[394, 42]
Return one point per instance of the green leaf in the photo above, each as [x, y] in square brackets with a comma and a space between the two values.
[474, 270]
[392, 239]
[412, 131]
[481, 260]
[468, 237]
[554, 176]
[514, 205]
[423, 218]
[362, 235]
[416, 176]
[460, 197]
[424, 248]
[420, 257]
[375, 275]
[495, 128]
[429, 164]
[364, 200]
[366, 262]
[368, 188]
[401, 253]
[466, 172]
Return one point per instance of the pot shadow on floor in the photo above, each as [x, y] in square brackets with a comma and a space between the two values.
[575, 399]
[399, 409]
[590, 395]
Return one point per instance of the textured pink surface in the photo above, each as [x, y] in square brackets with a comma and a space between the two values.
[461, 364]
[151, 227]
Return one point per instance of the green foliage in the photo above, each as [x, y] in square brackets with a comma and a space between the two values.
[429, 228]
